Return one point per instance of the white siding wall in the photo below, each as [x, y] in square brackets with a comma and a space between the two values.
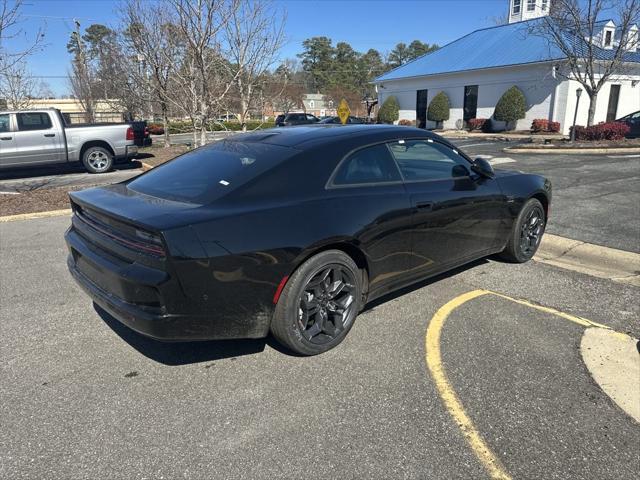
[628, 102]
[549, 98]
[535, 81]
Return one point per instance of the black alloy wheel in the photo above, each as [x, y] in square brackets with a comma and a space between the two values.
[319, 303]
[526, 234]
[326, 304]
[531, 231]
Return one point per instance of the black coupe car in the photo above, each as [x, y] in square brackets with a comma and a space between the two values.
[293, 231]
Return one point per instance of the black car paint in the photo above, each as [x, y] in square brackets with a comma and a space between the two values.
[225, 262]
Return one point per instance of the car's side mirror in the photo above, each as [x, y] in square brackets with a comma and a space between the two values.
[483, 168]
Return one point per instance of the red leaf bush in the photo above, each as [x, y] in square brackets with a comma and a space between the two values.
[155, 129]
[602, 131]
[544, 125]
[476, 123]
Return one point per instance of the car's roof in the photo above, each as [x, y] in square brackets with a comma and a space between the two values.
[327, 133]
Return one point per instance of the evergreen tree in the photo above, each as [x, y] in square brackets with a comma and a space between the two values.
[511, 107]
[389, 111]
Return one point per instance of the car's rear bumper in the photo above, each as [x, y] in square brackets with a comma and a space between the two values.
[117, 289]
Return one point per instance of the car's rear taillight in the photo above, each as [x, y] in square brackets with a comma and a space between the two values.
[130, 135]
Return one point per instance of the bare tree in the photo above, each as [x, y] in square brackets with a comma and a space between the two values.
[10, 20]
[17, 86]
[151, 34]
[253, 37]
[81, 77]
[199, 78]
[573, 27]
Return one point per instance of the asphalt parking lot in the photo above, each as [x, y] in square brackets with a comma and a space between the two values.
[84, 397]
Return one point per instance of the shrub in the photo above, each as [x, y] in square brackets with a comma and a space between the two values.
[406, 123]
[389, 110]
[476, 123]
[512, 106]
[438, 110]
[602, 131]
[540, 125]
[155, 129]
[544, 125]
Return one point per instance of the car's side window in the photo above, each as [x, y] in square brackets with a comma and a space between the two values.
[33, 121]
[421, 160]
[310, 117]
[370, 165]
[4, 123]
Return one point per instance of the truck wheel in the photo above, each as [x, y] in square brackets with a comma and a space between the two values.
[97, 160]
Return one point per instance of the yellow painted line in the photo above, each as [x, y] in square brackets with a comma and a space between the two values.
[572, 318]
[446, 391]
[29, 216]
[448, 395]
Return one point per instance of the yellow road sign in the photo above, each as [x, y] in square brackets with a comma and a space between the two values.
[343, 111]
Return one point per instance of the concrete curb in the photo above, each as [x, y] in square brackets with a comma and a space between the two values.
[146, 166]
[30, 216]
[582, 151]
[603, 262]
[613, 361]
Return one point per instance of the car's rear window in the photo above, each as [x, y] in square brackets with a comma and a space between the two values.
[210, 172]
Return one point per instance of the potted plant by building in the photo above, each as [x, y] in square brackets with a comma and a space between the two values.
[438, 110]
[511, 107]
[389, 111]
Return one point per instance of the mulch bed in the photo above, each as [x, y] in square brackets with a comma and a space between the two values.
[37, 200]
[46, 199]
[156, 155]
[626, 143]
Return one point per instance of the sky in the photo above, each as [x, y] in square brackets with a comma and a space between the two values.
[365, 24]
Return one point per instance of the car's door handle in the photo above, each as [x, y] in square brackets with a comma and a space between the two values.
[424, 205]
[49, 134]
[6, 138]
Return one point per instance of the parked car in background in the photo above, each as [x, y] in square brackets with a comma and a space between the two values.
[294, 230]
[41, 137]
[633, 122]
[289, 119]
[336, 120]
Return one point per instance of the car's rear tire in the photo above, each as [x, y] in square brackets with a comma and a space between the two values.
[319, 303]
[526, 234]
[97, 160]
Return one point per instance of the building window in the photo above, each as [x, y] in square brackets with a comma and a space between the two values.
[607, 38]
[516, 7]
[545, 5]
[312, 104]
[531, 5]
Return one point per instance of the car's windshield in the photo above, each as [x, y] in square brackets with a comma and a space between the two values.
[208, 173]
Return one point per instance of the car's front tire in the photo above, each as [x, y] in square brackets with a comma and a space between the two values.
[319, 303]
[97, 160]
[526, 234]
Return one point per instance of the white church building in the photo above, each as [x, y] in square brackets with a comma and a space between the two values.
[475, 70]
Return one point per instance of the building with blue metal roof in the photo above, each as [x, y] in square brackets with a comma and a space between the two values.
[475, 70]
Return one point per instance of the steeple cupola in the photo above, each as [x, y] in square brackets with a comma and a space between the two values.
[520, 10]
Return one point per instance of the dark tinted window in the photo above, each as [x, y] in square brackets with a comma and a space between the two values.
[33, 121]
[280, 118]
[4, 122]
[425, 160]
[210, 172]
[369, 165]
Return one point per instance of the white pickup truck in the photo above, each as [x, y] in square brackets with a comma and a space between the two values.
[39, 137]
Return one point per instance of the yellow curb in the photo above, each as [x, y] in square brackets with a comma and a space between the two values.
[572, 150]
[29, 216]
